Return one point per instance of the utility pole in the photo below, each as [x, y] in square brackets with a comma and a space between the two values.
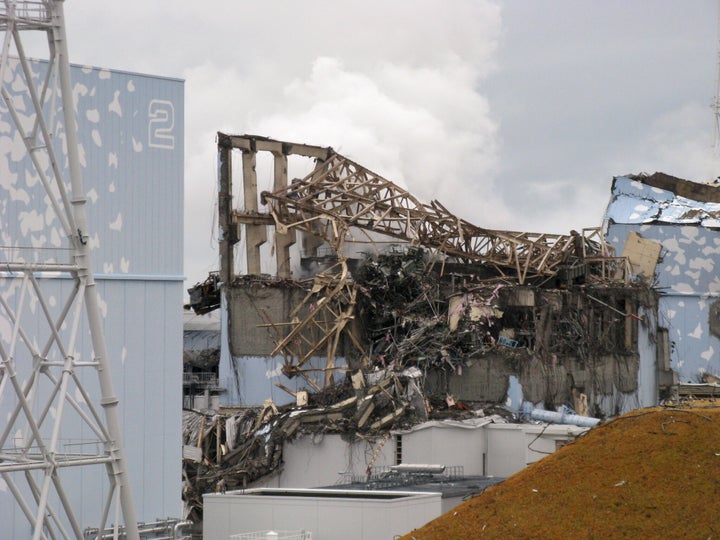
[49, 302]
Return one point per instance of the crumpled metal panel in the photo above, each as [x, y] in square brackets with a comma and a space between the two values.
[634, 202]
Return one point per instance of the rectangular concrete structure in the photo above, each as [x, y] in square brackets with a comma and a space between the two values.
[327, 514]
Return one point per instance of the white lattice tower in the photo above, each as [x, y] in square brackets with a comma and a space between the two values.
[49, 305]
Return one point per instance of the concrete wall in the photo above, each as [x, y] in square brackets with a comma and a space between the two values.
[327, 459]
[247, 370]
[512, 447]
[360, 515]
[481, 448]
[252, 306]
[447, 444]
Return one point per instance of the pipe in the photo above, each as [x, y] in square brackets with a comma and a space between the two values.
[564, 418]
[179, 525]
[154, 527]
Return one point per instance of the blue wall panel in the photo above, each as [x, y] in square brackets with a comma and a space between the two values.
[686, 275]
[131, 135]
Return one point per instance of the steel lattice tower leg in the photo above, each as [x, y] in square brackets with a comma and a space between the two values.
[42, 376]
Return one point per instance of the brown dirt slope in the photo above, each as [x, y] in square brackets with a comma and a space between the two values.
[653, 473]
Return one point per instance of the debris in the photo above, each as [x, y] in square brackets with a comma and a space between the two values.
[205, 296]
[430, 322]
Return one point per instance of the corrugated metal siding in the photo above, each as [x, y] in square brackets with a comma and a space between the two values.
[133, 177]
[138, 206]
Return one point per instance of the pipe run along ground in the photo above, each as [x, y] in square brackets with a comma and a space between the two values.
[564, 418]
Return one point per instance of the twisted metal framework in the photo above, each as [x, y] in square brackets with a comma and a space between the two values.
[340, 198]
[340, 194]
[43, 380]
[331, 305]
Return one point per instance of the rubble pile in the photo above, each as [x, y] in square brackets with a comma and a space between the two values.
[444, 318]
[234, 450]
[424, 330]
[652, 473]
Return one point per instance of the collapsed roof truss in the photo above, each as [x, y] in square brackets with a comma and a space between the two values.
[339, 197]
[340, 194]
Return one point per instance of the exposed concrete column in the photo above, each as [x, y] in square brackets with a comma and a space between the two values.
[228, 229]
[283, 241]
[255, 235]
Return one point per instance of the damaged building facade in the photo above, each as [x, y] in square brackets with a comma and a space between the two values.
[355, 320]
[327, 278]
[670, 224]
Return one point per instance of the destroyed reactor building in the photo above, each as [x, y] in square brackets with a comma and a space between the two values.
[328, 279]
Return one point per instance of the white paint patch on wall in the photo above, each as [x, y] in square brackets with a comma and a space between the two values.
[114, 106]
[689, 234]
[94, 241]
[117, 224]
[78, 396]
[31, 221]
[92, 195]
[697, 333]
[272, 373]
[55, 238]
[102, 304]
[702, 263]
[707, 354]
[671, 244]
[714, 285]
[38, 241]
[5, 329]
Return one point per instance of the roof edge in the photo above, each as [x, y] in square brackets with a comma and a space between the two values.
[678, 186]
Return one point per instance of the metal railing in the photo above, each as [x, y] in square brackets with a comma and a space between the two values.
[26, 13]
[165, 529]
[201, 377]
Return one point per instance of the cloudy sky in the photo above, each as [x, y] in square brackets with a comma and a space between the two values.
[515, 115]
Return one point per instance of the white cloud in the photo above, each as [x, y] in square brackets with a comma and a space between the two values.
[399, 95]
